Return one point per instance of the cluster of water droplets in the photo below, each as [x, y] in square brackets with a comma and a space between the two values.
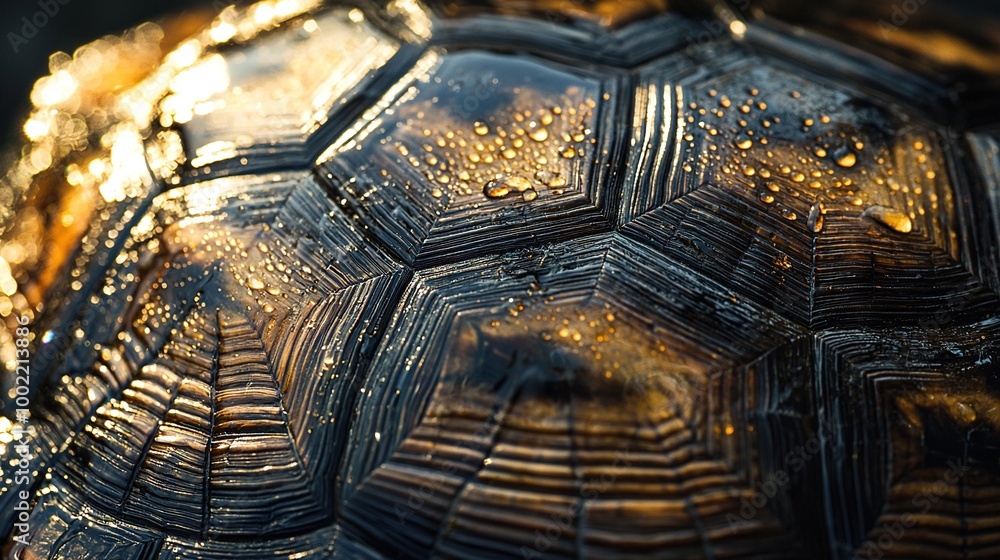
[610, 346]
[515, 152]
[747, 142]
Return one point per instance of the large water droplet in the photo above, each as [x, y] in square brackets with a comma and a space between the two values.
[539, 135]
[815, 219]
[550, 179]
[519, 183]
[845, 158]
[504, 185]
[496, 189]
[889, 217]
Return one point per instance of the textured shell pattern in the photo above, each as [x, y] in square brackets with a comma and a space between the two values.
[385, 282]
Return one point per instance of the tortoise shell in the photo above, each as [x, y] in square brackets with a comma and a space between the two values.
[548, 280]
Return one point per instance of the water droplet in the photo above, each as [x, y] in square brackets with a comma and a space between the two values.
[255, 283]
[550, 179]
[529, 195]
[889, 217]
[815, 219]
[504, 185]
[481, 129]
[568, 153]
[766, 197]
[539, 135]
[496, 189]
[846, 158]
[437, 193]
[787, 214]
[744, 144]
[519, 183]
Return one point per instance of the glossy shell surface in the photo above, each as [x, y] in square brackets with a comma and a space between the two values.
[399, 282]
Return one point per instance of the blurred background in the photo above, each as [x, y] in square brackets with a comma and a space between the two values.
[905, 27]
[76, 23]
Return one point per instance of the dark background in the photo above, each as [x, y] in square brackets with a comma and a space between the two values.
[78, 22]
[81, 21]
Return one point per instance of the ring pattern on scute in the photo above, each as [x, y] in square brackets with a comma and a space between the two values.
[384, 283]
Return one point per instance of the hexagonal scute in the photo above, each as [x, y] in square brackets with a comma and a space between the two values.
[583, 399]
[281, 100]
[198, 378]
[64, 535]
[481, 152]
[591, 38]
[797, 194]
[912, 441]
